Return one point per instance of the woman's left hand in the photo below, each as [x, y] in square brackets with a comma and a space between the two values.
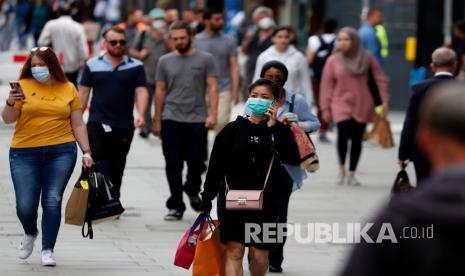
[385, 109]
[271, 114]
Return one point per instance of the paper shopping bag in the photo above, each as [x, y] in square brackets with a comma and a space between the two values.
[209, 254]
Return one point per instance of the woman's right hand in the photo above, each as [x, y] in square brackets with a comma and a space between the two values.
[206, 206]
[15, 96]
[326, 116]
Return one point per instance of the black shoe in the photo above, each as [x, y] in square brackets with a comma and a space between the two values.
[173, 215]
[195, 203]
[144, 134]
[324, 139]
[275, 269]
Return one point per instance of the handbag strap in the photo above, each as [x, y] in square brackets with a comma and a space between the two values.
[291, 106]
[266, 179]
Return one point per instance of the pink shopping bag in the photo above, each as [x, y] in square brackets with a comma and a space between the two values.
[186, 248]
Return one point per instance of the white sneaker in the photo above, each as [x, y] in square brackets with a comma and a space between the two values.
[47, 258]
[26, 247]
[353, 181]
[340, 178]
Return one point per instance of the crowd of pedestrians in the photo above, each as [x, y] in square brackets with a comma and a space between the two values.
[183, 77]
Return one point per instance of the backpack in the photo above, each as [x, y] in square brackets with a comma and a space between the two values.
[101, 203]
[140, 43]
[321, 55]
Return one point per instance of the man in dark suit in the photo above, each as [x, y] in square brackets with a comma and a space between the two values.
[422, 231]
[443, 64]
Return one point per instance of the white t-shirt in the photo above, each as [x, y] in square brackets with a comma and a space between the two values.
[314, 42]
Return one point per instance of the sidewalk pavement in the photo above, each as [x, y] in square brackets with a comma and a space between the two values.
[141, 243]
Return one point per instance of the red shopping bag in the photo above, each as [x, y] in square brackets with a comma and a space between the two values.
[186, 248]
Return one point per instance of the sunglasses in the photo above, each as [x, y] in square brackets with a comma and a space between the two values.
[121, 42]
[42, 49]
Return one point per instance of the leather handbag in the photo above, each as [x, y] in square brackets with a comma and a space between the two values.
[401, 183]
[251, 200]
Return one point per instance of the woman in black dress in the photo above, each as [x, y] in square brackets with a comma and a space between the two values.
[242, 154]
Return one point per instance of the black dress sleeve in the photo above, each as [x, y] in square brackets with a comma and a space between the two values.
[216, 167]
[285, 145]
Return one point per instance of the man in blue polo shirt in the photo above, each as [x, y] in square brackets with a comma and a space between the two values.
[117, 81]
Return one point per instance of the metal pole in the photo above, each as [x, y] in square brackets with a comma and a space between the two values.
[447, 21]
[365, 7]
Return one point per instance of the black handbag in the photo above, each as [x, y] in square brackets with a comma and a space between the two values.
[401, 183]
[101, 204]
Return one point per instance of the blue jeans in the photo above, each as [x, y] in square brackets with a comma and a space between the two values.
[41, 171]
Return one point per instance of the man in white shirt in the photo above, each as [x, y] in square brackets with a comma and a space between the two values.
[68, 39]
[319, 48]
[298, 79]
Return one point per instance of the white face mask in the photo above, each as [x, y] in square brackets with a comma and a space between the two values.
[266, 23]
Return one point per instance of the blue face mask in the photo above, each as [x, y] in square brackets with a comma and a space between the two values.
[259, 106]
[41, 74]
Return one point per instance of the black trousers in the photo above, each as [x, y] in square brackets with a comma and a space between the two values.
[72, 77]
[276, 254]
[422, 169]
[147, 128]
[183, 142]
[109, 151]
[353, 131]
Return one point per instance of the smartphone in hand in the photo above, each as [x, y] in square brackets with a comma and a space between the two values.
[16, 86]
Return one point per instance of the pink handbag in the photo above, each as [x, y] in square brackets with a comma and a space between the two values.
[246, 199]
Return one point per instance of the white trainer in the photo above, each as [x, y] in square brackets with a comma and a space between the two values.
[26, 247]
[47, 258]
[351, 180]
[340, 178]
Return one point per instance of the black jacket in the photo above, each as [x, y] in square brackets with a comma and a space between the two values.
[439, 205]
[242, 153]
[408, 148]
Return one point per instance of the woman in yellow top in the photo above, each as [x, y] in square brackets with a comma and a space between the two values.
[48, 116]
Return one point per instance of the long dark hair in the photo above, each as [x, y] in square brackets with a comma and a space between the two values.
[50, 59]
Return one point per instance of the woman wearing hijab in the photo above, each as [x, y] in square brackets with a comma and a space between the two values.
[346, 99]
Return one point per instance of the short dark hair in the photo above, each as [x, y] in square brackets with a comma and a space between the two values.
[65, 7]
[442, 111]
[460, 25]
[273, 86]
[207, 14]
[329, 25]
[133, 10]
[373, 10]
[277, 65]
[181, 25]
[115, 29]
[283, 28]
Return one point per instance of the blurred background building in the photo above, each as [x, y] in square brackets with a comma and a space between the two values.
[428, 21]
